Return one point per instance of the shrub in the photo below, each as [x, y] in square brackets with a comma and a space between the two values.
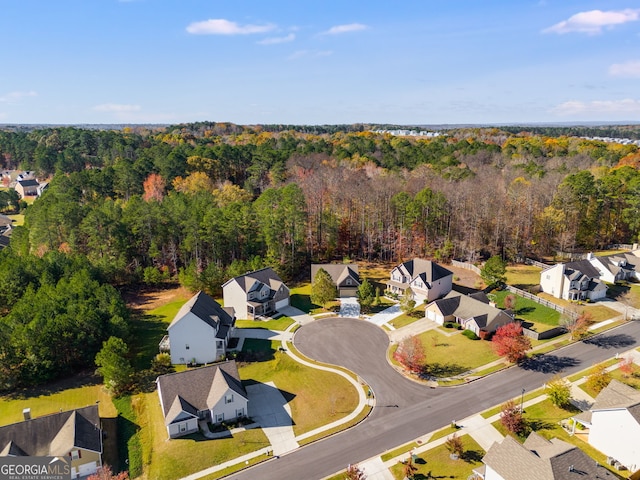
[470, 335]
[449, 325]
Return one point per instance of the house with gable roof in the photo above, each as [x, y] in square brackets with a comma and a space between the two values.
[345, 276]
[617, 267]
[27, 188]
[427, 280]
[74, 434]
[578, 280]
[207, 394]
[613, 424]
[474, 312]
[538, 459]
[255, 294]
[200, 331]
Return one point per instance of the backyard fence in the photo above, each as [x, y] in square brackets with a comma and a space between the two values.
[542, 301]
[466, 266]
[535, 263]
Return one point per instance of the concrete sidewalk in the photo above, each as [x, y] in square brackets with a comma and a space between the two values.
[385, 316]
[296, 314]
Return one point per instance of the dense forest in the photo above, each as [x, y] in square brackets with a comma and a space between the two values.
[203, 202]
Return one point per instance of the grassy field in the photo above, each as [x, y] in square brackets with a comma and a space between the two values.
[316, 397]
[523, 276]
[616, 290]
[452, 355]
[408, 318]
[376, 273]
[435, 463]
[633, 380]
[529, 310]
[544, 418]
[301, 299]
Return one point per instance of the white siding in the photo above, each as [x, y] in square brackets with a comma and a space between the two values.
[551, 280]
[182, 428]
[440, 288]
[234, 296]
[229, 409]
[200, 337]
[616, 434]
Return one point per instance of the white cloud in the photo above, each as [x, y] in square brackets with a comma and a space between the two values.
[593, 21]
[117, 108]
[598, 107]
[275, 40]
[13, 97]
[350, 27]
[220, 26]
[628, 69]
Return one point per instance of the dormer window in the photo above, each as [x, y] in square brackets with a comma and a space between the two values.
[348, 281]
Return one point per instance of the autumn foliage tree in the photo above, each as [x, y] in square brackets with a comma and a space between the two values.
[626, 367]
[106, 473]
[599, 378]
[354, 473]
[578, 326]
[454, 445]
[509, 342]
[154, 187]
[559, 391]
[511, 418]
[410, 353]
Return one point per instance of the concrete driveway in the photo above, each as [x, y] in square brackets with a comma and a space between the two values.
[349, 307]
[385, 315]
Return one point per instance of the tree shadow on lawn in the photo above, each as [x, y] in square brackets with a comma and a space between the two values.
[523, 310]
[548, 363]
[440, 370]
[147, 331]
[472, 456]
[82, 379]
[620, 340]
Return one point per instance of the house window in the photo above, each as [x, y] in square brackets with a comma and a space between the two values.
[548, 277]
[220, 417]
[240, 412]
[228, 398]
[348, 281]
[264, 293]
[187, 346]
[75, 455]
[183, 427]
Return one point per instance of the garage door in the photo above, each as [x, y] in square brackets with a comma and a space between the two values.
[87, 469]
[282, 303]
[348, 292]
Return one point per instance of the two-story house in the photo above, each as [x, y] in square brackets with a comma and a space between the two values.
[208, 394]
[427, 280]
[256, 294]
[578, 280]
[200, 331]
[74, 434]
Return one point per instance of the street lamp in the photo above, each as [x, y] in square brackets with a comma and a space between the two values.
[522, 401]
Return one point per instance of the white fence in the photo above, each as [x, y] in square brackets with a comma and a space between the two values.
[466, 266]
[542, 301]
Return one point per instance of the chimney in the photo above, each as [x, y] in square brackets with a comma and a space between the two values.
[26, 413]
[589, 256]
[635, 246]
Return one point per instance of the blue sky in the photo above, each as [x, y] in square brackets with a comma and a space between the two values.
[326, 61]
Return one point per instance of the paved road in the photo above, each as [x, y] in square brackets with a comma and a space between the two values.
[361, 346]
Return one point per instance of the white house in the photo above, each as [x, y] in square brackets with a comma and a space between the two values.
[538, 459]
[207, 394]
[573, 281]
[617, 267]
[473, 312]
[614, 424]
[200, 331]
[257, 293]
[427, 280]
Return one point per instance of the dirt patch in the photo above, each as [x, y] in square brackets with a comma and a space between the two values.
[148, 298]
[464, 277]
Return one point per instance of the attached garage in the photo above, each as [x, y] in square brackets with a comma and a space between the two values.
[87, 469]
[348, 292]
[282, 303]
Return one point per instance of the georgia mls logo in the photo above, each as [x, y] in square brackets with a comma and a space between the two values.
[35, 468]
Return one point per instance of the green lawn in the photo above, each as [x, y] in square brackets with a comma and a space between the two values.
[301, 299]
[632, 380]
[452, 355]
[544, 418]
[618, 289]
[316, 397]
[529, 310]
[279, 324]
[18, 219]
[408, 318]
[523, 276]
[435, 463]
